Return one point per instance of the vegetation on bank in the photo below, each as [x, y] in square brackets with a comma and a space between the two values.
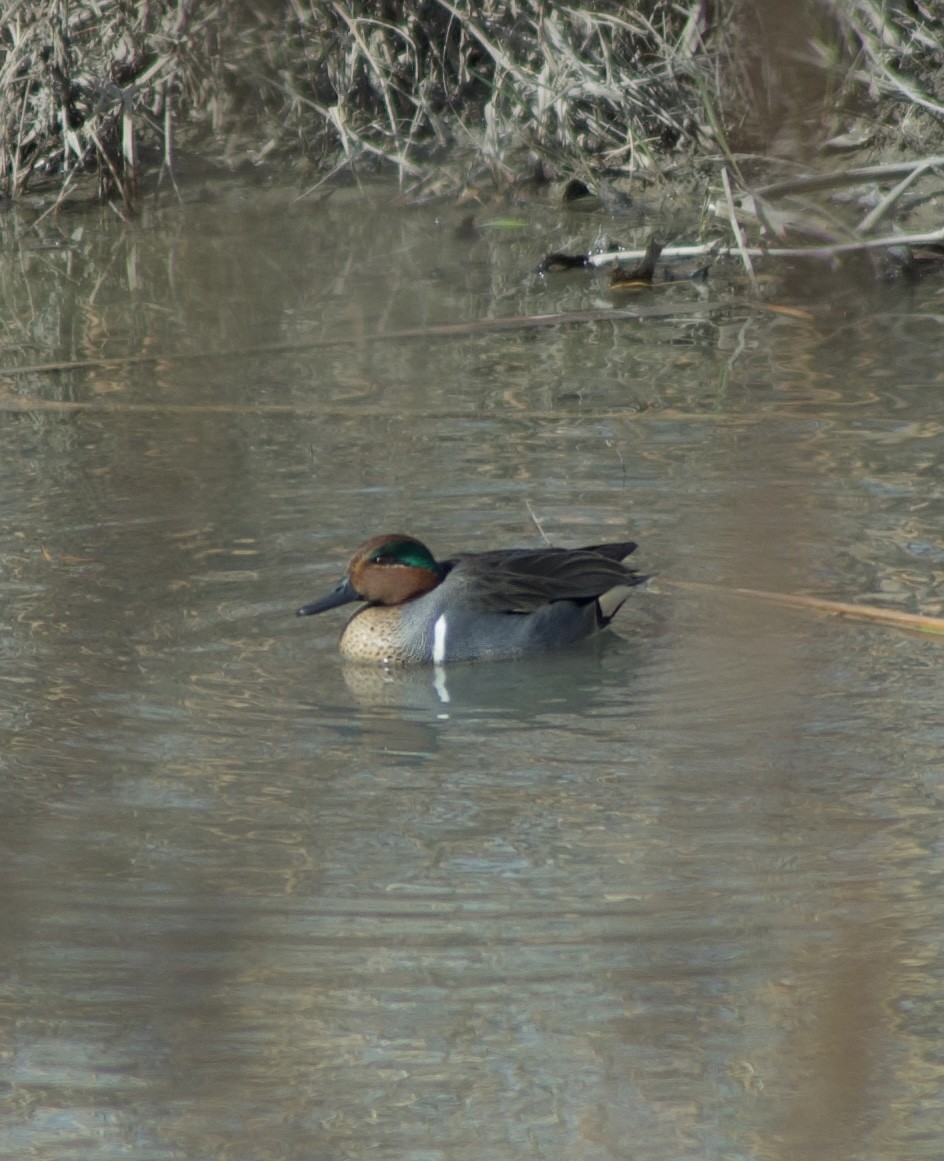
[453, 93]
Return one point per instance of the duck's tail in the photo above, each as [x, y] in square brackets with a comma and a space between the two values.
[610, 602]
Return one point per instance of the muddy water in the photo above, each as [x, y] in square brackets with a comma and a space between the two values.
[674, 894]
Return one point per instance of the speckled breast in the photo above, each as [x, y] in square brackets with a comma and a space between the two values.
[376, 634]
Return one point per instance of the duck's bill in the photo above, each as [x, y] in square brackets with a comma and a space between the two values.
[342, 594]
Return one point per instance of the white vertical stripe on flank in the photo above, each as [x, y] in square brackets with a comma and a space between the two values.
[439, 640]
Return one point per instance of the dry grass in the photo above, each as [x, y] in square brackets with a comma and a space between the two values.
[469, 91]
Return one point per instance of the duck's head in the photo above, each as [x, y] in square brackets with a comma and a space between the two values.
[387, 570]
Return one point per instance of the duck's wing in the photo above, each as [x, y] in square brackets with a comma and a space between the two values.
[522, 580]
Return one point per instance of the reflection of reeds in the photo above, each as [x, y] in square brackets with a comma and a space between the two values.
[98, 86]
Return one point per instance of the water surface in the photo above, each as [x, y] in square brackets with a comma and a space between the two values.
[672, 894]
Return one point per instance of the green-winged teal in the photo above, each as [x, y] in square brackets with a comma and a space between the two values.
[476, 606]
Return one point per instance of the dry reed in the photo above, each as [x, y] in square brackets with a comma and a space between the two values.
[444, 93]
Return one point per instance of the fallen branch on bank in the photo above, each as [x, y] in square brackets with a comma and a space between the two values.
[806, 182]
[746, 209]
[714, 250]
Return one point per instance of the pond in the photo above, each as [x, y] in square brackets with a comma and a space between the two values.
[671, 894]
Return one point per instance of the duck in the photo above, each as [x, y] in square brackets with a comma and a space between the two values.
[480, 606]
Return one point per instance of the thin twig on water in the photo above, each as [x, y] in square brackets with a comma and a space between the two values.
[537, 522]
[916, 622]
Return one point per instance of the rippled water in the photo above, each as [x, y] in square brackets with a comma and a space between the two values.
[672, 894]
